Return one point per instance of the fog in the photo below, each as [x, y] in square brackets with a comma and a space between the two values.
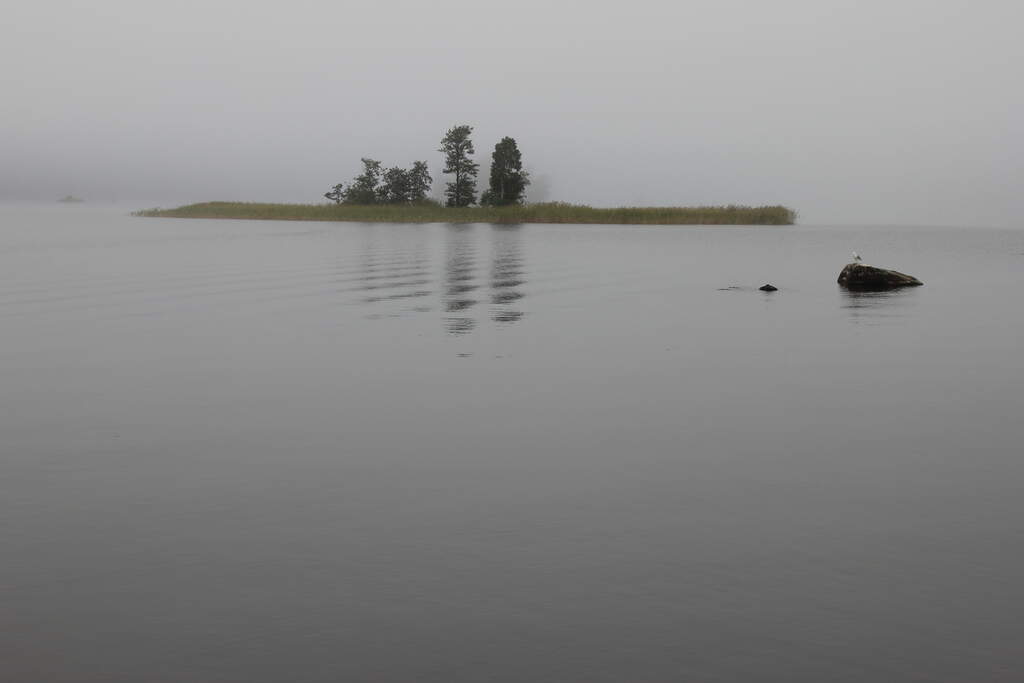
[879, 112]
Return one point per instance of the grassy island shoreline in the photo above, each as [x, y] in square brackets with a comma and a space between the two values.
[431, 212]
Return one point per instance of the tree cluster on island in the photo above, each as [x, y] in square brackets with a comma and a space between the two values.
[378, 186]
[507, 182]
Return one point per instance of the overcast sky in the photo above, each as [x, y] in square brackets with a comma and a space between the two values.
[895, 111]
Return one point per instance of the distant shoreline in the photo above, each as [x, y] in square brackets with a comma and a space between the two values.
[430, 212]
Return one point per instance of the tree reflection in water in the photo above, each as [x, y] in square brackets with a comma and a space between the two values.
[507, 273]
[460, 268]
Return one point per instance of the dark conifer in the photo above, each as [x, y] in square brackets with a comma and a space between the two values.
[508, 180]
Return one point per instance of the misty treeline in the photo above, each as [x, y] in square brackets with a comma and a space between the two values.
[506, 186]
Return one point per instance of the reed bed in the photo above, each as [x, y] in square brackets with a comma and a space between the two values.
[431, 212]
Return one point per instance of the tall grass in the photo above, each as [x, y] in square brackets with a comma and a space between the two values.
[431, 212]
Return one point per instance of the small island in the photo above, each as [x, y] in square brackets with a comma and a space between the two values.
[70, 199]
[433, 212]
[400, 195]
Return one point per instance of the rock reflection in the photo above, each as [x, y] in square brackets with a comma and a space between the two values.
[460, 274]
[876, 307]
[507, 271]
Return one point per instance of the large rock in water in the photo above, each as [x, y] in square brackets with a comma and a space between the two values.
[862, 276]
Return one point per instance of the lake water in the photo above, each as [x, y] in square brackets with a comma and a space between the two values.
[255, 452]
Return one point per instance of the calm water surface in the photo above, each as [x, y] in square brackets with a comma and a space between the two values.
[257, 452]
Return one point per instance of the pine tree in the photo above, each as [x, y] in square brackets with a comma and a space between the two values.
[395, 188]
[419, 181]
[363, 189]
[337, 193]
[457, 148]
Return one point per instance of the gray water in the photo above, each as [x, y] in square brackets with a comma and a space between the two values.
[254, 452]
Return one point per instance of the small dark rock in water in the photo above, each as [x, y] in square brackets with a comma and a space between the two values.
[862, 276]
[769, 288]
